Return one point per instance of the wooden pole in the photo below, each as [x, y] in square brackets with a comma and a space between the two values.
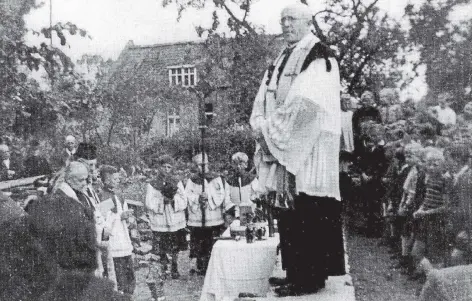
[202, 128]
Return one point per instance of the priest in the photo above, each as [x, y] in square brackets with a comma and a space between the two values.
[296, 120]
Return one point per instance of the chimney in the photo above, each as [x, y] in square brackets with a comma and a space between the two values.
[129, 44]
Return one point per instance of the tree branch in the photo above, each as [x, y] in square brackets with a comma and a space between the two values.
[361, 17]
[241, 23]
[368, 8]
[359, 70]
[329, 11]
[246, 12]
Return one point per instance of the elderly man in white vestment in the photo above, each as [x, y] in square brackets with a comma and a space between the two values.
[296, 120]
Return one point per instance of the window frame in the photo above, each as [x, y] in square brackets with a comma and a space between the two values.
[180, 74]
[172, 119]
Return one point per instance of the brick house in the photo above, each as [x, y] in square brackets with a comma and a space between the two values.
[172, 64]
[175, 64]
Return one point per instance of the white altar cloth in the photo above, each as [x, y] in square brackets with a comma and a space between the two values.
[238, 267]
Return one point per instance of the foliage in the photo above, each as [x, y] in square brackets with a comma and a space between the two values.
[237, 65]
[367, 43]
[444, 47]
[132, 105]
[220, 143]
[22, 101]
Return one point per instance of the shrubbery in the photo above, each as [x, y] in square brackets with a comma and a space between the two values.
[220, 144]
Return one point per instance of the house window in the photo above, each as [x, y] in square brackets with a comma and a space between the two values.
[183, 76]
[173, 122]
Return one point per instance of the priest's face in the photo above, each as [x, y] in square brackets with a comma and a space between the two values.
[76, 176]
[295, 24]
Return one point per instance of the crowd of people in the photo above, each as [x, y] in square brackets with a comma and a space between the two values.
[405, 174]
[83, 230]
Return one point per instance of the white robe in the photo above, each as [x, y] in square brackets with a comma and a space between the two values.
[303, 134]
[346, 129]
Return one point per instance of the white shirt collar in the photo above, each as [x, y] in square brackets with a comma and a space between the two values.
[64, 187]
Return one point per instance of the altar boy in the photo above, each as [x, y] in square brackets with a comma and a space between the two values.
[166, 204]
[242, 185]
[117, 220]
[205, 211]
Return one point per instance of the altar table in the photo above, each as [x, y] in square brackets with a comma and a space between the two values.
[238, 267]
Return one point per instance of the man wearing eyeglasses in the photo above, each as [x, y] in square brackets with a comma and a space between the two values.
[296, 121]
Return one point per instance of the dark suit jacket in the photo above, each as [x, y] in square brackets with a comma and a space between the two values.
[66, 227]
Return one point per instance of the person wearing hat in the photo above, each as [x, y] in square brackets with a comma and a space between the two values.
[296, 120]
[166, 204]
[243, 186]
[205, 211]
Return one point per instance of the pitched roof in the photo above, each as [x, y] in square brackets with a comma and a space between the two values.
[147, 64]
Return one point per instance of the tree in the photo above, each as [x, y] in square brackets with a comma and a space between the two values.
[20, 97]
[367, 44]
[131, 105]
[444, 48]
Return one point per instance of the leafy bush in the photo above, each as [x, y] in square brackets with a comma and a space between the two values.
[220, 144]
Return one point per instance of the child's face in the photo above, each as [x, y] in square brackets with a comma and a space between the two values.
[434, 166]
[113, 180]
[165, 168]
[411, 158]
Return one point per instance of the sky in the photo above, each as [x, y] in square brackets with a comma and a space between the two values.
[112, 23]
